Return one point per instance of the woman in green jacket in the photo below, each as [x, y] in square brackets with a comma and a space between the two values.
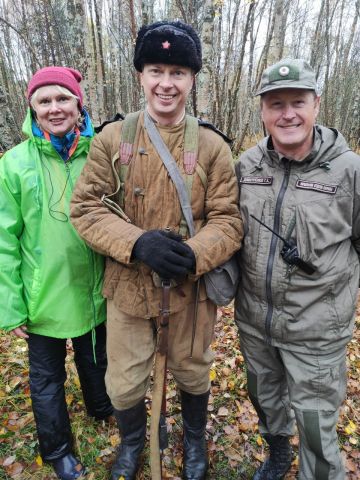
[50, 281]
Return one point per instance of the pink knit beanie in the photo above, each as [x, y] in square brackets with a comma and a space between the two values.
[63, 76]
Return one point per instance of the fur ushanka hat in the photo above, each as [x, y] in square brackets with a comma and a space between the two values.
[174, 43]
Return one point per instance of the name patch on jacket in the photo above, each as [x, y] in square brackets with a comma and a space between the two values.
[256, 180]
[317, 187]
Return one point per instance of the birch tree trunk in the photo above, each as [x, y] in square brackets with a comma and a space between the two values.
[6, 137]
[205, 77]
[276, 47]
[239, 38]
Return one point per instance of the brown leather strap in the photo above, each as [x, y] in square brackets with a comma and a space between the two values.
[163, 326]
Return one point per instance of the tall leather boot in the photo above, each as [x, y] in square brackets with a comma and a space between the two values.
[132, 426]
[279, 461]
[194, 413]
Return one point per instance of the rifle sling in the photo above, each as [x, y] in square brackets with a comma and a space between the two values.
[173, 170]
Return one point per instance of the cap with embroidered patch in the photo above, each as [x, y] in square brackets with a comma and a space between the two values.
[175, 43]
[288, 73]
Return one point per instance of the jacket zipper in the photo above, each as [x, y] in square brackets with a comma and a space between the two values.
[90, 255]
[273, 245]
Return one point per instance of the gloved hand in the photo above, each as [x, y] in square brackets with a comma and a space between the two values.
[164, 253]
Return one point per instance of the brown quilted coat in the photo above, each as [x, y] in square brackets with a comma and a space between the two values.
[151, 202]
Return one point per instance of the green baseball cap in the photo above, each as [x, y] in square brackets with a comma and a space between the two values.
[288, 73]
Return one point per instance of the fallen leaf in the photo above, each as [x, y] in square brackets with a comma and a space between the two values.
[114, 440]
[14, 382]
[223, 412]
[212, 375]
[9, 460]
[14, 469]
[350, 428]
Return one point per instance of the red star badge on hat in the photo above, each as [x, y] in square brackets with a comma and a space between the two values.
[166, 45]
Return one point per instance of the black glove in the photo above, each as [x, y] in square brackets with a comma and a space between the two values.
[164, 253]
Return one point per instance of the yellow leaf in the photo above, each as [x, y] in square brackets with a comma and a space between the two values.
[259, 440]
[39, 461]
[69, 398]
[350, 428]
[114, 440]
[212, 375]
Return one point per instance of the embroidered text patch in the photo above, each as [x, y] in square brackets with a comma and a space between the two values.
[256, 180]
[317, 187]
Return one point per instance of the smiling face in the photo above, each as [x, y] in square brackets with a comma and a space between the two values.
[56, 112]
[166, 89]
[289, 116]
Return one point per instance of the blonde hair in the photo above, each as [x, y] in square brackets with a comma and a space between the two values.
[60, 89]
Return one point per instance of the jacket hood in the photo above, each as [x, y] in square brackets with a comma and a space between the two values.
[26, 126]
[328, 144]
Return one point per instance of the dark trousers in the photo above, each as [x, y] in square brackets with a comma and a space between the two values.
[47, 377]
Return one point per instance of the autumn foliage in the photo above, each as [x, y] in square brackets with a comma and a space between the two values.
[235, 446]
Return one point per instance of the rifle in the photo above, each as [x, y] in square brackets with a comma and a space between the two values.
[158, 430]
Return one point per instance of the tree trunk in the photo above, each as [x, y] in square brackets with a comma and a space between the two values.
[205, 76]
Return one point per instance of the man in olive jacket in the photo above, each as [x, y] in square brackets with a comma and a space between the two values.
[167, 55]
[297, 297]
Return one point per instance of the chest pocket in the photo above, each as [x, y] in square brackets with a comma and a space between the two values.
[322, 221]
[252, 203]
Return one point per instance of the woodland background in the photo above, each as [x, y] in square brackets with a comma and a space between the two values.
[240, 38]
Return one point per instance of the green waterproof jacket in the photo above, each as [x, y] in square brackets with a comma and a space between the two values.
[315, 205]
[50, 279]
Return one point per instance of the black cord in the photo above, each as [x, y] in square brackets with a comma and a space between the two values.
[55, 214]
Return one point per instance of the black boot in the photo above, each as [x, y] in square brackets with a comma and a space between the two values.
[68, 468]
[194, 413]
[279, 461]
[132, 426]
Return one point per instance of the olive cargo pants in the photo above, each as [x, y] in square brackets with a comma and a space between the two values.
[313, 386]
[131, 343]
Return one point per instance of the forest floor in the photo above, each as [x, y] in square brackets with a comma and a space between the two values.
[235, 446]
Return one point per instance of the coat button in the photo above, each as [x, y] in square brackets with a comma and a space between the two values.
[139, 192]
